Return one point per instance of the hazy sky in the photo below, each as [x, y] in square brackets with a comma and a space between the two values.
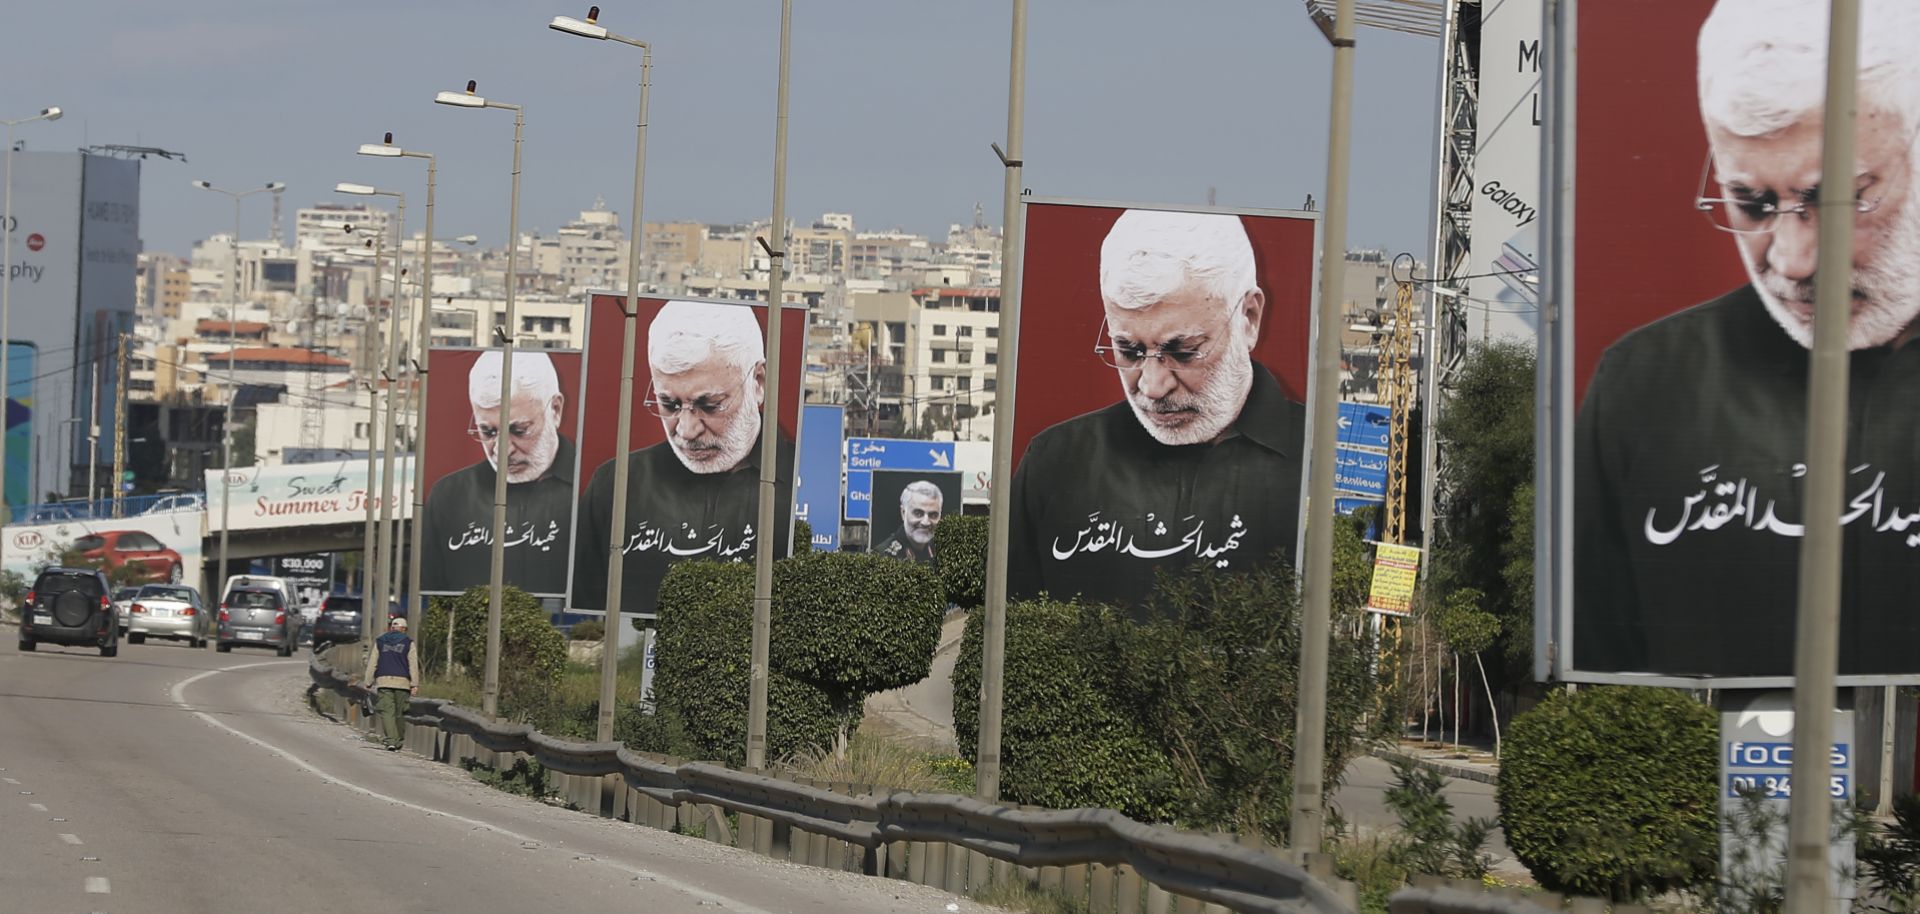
[894, 103]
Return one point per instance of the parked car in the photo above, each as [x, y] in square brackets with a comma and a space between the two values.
[53, 512]
[122, 604]
[138, 548]
[186, 501]
[171, 611]
[69, 606]
[257, 616]
[339, 621]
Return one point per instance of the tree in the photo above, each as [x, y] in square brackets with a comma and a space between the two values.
[1468, 629]
[1485, 532]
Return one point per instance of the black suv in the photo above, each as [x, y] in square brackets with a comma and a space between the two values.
[70, 606]
[339, 620]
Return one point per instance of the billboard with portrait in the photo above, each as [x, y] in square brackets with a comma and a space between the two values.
[693, 489]
[907, 507]
[1673, 447]
[464, 428]
[1163, 371]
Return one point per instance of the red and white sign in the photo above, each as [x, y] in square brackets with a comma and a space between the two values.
[36, 241]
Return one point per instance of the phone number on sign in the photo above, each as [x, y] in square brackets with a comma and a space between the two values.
[1779, 786]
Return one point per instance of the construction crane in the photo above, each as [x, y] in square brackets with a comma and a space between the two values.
[1398, 387]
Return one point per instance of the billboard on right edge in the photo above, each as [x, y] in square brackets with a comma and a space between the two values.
[1679, 359]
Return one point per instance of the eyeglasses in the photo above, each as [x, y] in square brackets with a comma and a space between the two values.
[485, 434]
[1129, 356]
[671, 408]
[1759, 214]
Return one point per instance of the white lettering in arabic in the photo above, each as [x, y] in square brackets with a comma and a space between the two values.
[522, 534]
[1104, 535]
[1740, 503]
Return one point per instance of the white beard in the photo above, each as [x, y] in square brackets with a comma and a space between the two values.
[916, 535]
[1886, 295]
[539, 458]
[1216, 407]
[734, 445]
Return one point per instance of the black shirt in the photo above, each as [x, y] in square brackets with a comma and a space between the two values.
[1688, 500]
[674, 514]
[898, 546]
[1099, 504]
[457, 531]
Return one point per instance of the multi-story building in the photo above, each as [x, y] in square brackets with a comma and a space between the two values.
[588, 253]
[955, 347]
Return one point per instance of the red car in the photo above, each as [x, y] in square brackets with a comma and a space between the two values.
[120, 548]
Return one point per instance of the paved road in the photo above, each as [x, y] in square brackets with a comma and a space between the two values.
[174, 780]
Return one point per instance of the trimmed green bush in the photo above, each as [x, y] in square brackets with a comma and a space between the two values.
[532, 651]
[588, 630]
[1064, 741]
[960, 544]
[853, 623]
[802, 537]
[1611, 791]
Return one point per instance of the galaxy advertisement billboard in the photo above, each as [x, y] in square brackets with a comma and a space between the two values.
[694, 458]
[1160, 421]
[1684, 261]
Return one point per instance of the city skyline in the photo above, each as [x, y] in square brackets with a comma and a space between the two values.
[893, 110]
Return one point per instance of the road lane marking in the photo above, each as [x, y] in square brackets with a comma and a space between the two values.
[9, 780]
[98, 885]
[70, 839]
[179, 692]
[37, 807]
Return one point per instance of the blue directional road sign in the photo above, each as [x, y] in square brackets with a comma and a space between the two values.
[1365, 425]
[864, 455]
[1357, 472]
[816, 496]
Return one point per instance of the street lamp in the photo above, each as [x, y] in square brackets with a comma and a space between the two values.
[233, 391]
[616, 559]
[6, 292]
[370, 329]
[416, 604]
[490, 690]
[383, 534]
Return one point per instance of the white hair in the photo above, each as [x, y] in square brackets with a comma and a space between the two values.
[686, 333]
[533, 376]
[922, 488]
[1763, 63]
[1151, 254]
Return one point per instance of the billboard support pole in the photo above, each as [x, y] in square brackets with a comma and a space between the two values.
[367, 545]
[770, 419]
[1809, 878]
[490, 690]
[623, 439]
[423, 343]
[1310, 728]
[993, 657]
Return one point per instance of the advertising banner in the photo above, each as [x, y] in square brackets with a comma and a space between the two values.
[1681, 353]
[1395, 571]
[1506, 175]
[21, 363]
[1159, 420]
[146, 548]
[693, 490]
[305, 494]
[908, 505]
[864, 455]
[816, 493]
[543, 465]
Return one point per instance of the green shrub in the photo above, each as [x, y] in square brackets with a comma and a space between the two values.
[702, 670]
[589, 630]
[532, 651]
[960, 543]
[854, 623]
[802, 537]
[1064, 741]
[1610, 791]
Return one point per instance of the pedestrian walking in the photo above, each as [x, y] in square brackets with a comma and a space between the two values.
[393, 668]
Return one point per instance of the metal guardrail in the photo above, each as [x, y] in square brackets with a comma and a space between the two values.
[1204, 867]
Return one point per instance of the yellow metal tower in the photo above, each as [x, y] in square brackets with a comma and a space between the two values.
[1397, 385]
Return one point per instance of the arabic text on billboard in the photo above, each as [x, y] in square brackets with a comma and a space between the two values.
[1395, 571]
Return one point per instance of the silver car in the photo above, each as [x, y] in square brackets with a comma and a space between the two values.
[123, 606]
[171, 611]
[258, 617]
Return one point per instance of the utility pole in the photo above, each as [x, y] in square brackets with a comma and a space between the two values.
[120, 432]
[93, 436]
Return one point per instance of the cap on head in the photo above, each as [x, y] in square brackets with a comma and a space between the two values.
[399, 622]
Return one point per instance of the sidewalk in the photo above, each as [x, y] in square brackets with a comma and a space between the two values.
[1468, 761]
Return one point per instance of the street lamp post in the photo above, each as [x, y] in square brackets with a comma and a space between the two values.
[383, 534]
[416, 604]
[490, 689]
[233, 389]
[6, 295]
[371, 329]
[770, 418]
[616, 559]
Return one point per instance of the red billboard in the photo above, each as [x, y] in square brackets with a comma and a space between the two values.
[694, 460]
[462, 433]
[1163, 371]
[1686, 293]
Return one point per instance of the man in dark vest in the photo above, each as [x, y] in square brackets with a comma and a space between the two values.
[393, 669]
